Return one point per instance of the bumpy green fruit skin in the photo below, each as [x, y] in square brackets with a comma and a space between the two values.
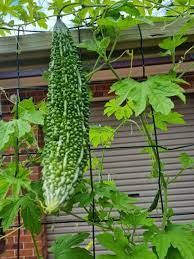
[66, 138]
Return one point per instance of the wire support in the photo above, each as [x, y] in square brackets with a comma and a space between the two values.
[155, 131]
[112, 148]
[17, 153]
[158, 216]
[158, 162]
[93, 204]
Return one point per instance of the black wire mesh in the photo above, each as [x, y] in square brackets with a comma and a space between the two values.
[155, 147]
[17, 153]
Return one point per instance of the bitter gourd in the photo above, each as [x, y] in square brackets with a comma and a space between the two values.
[65, 152]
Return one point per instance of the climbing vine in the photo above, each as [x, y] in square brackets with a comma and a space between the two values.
[147, 105]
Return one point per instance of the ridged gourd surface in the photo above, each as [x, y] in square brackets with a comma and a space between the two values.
[66, 131]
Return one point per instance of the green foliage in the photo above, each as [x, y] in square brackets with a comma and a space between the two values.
[120, 112]
[116, 242]
[65, 247]
[177, 236]
[101, 135]
[186, 161]
[156, 91]
[14, 129]
[170, 44]
[162, 120]
[8, 211]
[31, 214]
[119, 244]
[136, 219]
[9, 181]
[98, 46]
[24, 11]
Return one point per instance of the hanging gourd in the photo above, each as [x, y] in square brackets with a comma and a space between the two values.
[66, 131]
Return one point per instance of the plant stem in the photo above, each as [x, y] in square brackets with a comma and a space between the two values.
[91, 223]
[132, 235]
[90, 74]
[113, 47]
[113, 70]
[162, 180]
[165, 215]
[35, 246]
[176, 176]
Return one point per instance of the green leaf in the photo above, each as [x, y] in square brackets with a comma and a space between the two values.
[120, 112]
[75, 253]
[31, 215]
[8, 179]
[162, 243]
[11, 130]
[156, 90]
[141, 252]
[105, 189]
[22, 127]
[186, 160]
[137, 218]
[7, 130]
[162, 120]
[42, 106]
[108, 256]
[62, 248]
[36, 190]
[88, 44]
[27, 111]
[96, 164]
[114, 242]
[96, 46]
[122, 202]
[35, 117]
[8, 211]
[101, 135]
[122, 23]
[170, 44]
[122, 6]
[24, 106]
[177, 236]
[173, 253]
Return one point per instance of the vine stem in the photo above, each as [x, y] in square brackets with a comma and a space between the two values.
[176, 176]
[36, 247]
[150, 141]
[90, 222]
[113, 70]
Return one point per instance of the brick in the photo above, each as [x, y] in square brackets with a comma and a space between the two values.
[15, 246]
[9, 239]
[8, 257]
[27, 252]
[28, 245]
[26, 238]
[8, 252]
